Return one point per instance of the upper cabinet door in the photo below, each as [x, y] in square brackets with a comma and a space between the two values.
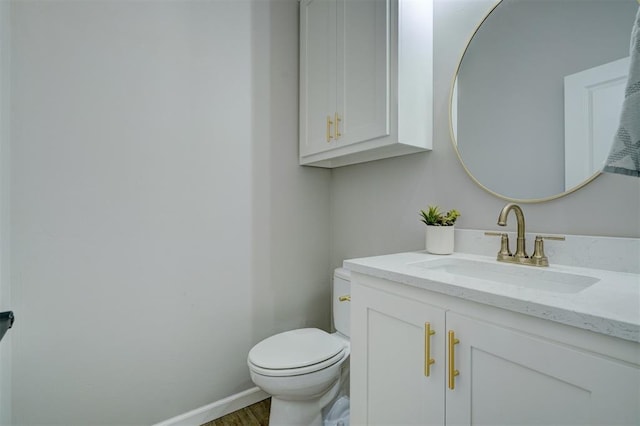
[317, 74]
[363, 70]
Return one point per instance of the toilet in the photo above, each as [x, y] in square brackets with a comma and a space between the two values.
[303, 369]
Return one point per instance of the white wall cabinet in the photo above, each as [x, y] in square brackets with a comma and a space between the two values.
[510, 370]
[365, 80]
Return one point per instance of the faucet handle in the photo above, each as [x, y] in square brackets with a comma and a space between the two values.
[551, 237]
[539, 258]
[504, 244]
[494, 234]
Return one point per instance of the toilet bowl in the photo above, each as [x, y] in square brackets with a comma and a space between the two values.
[302, 369]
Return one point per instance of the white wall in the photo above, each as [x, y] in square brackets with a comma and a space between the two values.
[160, 223]
[375, 205]
[5, 289]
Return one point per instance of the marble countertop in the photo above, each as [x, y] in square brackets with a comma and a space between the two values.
[610, 306]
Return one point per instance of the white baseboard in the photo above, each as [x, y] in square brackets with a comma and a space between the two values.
[213, 411]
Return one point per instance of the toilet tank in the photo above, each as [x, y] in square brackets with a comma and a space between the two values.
[342, 309]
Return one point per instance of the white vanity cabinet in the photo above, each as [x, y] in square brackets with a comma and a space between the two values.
[365, 80]
[511, 368]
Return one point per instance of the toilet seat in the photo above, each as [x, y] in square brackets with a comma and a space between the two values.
[296, 352]
[288, 372]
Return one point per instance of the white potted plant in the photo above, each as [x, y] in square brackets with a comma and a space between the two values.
[440, 229]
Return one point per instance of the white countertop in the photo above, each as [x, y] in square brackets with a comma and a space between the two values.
[610, 306]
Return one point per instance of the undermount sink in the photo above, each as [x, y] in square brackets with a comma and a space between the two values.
[515, 275]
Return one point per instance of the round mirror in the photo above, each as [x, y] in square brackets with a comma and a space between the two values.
[537, 95]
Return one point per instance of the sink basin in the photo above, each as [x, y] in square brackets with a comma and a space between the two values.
[515, 275]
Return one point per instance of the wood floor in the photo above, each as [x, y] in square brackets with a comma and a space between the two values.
[253, 415]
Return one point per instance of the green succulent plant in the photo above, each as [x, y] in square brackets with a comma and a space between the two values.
[434, 217]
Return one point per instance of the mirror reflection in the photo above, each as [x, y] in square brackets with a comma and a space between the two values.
[538, 94]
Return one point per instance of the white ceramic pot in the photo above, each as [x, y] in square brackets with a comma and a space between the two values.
[439, 239]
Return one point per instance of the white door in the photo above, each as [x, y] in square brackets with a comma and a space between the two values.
[593, 102]
[510, 377]
[363, 69]
[317, 75]
[390, 345]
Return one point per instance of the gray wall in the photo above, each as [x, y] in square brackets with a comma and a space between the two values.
[160, 223]
[5, 288]
[374, 206]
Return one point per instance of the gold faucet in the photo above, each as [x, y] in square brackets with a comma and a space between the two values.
[521, 252]
[520, 256]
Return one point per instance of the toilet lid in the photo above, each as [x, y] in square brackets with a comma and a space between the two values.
[295, 349]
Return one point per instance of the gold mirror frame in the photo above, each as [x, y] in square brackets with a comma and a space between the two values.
[455, 143]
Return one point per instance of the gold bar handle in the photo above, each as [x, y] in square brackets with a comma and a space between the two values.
[346, 298]
[337, 120]
[452, 357]
[329, 123]
[428, 361]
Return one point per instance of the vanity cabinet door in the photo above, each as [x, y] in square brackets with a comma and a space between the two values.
[389, 385]
[509, 377]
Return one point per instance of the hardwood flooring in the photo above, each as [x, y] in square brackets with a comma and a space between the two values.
[253, 415]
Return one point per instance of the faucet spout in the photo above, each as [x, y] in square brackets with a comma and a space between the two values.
[502, 221]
